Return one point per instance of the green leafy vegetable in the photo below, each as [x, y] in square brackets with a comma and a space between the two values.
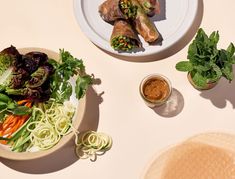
[7, 106]
[206, 62]
[21, 110]
[82, 84]
[184, 66]
[199, 79]
[4, 98]
[3, 138]
[68, 67]
[8, 73]
[5, 62]
[6, 78]
[25, 76]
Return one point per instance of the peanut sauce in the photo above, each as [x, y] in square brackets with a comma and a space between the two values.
[156, 89]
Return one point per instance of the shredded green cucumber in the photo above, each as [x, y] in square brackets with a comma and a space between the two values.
[91, 143]
[53, 124]
[61, 116]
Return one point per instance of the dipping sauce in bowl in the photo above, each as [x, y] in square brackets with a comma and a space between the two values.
[155, 89]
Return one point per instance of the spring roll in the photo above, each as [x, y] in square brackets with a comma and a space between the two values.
[151, 7]
[123, 37]
[112, 10]
[143, 25]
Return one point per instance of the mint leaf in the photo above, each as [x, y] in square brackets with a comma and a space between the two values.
[214, 38]
[199, 80]
[192, 50]
[228, 72]
[202, 68]
[184, 66]
[231, 49]
[218, 72]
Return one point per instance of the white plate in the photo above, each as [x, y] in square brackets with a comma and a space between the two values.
[5, 152]
[175, 19]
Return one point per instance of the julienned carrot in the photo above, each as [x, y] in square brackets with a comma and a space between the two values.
[13, 122]
[3, 142]
[28, 104]
[9, 118]
[12, 126]
[17, 126]
[23, 101]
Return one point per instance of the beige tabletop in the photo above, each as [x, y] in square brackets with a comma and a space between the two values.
[114, 105]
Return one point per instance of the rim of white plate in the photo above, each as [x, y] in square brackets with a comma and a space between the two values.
[88, 30]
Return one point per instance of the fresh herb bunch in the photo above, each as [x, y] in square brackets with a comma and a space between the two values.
[67, 67]
[206, 62]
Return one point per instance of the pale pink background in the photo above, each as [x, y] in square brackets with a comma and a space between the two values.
[138, 132]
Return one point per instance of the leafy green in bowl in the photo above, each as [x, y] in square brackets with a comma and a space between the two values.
[206, 63]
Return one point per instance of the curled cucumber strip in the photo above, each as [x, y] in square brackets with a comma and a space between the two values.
[53, 123]
[91, 143]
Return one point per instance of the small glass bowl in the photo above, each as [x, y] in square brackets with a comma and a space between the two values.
[159, 86]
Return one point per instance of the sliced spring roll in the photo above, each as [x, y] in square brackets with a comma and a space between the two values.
[112, 10]
[123, 37]
[151, 7]
[143, 25]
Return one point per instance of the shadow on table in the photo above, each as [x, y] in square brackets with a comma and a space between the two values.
[221, 93]
[175, 47]
[65, 156]
[173, 106]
